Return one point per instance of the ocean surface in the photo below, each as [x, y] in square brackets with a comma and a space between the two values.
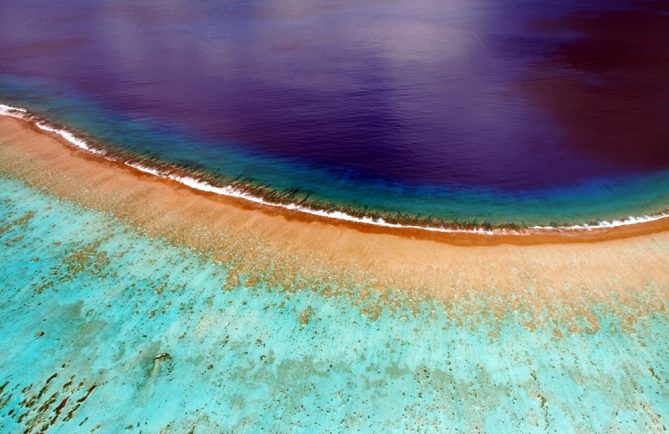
[469, 113]
[88, 303]
[460, 112]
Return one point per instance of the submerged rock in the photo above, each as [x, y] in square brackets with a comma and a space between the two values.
[162, 356]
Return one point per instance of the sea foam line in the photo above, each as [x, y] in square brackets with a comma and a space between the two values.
[230, 191]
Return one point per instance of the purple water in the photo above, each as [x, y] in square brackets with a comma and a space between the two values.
[510, 96]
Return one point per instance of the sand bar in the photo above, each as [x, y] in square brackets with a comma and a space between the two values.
[629, 265]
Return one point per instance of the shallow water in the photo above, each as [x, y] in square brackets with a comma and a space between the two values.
[468, 111]
[88, 301]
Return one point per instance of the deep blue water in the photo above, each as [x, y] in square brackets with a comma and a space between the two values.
[487, 111]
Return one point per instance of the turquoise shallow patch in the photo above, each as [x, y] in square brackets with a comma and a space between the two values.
[87, 303]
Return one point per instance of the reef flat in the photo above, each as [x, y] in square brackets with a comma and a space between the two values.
[132, 303]
[570, 269]
[106, 329]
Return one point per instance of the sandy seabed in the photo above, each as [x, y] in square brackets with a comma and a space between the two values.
[625, 266]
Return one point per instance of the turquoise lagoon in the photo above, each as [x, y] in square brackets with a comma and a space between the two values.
[88, 305]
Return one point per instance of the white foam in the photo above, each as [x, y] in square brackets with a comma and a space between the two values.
[631, 220]
[9, 108]
[149, 170]
[13, 112]
[79, 143]
[231, 191]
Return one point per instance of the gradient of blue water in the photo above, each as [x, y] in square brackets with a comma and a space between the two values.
[418, 109]
[161, 143]
[242, 361]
